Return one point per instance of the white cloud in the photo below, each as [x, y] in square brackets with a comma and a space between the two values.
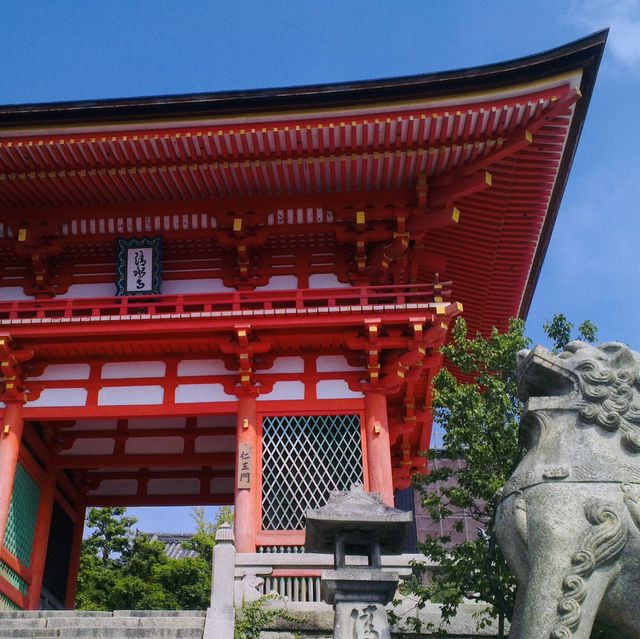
[623, 18]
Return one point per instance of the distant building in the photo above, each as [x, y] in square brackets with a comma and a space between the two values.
[174, 544]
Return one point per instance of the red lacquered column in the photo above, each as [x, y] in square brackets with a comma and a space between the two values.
[10, 437]
[378, 447]
[246, 517]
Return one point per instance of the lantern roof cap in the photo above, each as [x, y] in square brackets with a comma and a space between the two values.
[360, 518]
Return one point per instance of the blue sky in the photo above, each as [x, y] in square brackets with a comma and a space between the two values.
[72, 50]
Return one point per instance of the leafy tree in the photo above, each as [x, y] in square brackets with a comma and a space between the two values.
[122, 569]
[111, 532]
[559, 329]
[478, 410]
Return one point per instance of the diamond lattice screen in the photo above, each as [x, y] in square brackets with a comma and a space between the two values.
[303, 460]
[18, 538]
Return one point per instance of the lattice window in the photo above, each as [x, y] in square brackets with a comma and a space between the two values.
[7, 604]
[18, 538]
[12, 577]
[304, 459]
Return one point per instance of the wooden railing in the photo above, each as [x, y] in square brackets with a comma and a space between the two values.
[228, 304]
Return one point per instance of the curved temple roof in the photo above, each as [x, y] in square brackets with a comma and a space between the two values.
[489, 147]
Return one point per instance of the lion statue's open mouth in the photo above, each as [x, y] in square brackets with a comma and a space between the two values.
[601, 382]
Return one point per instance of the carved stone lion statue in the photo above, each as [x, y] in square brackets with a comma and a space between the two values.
[568, 520]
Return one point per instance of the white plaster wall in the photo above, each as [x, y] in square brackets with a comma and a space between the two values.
[154, 446]
[285, 365]
[196, 285]
[335, 389]
[173, 486]
[194, 367]
[280, 283]
[64, 371]
[130, 395]
[334, 364]
[13, 293]
[198, 393]
[284, 390]
[124, 370]
[222, 485]
[156, 423]
[217, 421]
[213, 444]
[116, 487]
[95, 424]
[326, 280]
[82, 291]
[97, 446]
[52, 397]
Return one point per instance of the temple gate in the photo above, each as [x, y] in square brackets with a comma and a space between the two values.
[239, 298]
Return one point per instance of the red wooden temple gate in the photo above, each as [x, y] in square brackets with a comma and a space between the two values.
[316, 244]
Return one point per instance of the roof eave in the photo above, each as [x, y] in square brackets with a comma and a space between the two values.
[571, 56]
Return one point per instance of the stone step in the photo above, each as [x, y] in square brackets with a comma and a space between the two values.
[100, 622]
[29, 614]
[91, 632]
[121, 624]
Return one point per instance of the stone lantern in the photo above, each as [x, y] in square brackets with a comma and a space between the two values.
[358, 523]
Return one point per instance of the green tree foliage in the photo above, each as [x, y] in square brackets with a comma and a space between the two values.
[121, 569]
[478, 410]
[560, 329]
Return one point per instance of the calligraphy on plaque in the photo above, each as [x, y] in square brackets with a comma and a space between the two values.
[139, 266]
[245, 463]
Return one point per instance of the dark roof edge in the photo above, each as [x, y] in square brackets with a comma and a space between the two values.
[591, 63]
[564, 58]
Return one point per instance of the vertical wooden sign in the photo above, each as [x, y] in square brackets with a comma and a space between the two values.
[139, 266]
[245, 464]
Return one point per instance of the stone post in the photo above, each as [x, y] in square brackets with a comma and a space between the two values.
[221, 614]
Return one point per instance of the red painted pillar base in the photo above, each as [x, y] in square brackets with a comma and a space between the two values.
[74, 560]
[11, 429]
[247, 511]
[378, 446]
[41, 539]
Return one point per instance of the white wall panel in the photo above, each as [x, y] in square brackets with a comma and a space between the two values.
[285, 365]
[82, 291]
[335, 389]
[60, 397]
[131, 396]
[13, 293]
[173, 487]
[284, 390]
[156, 423]
[189, 367]
[64, 371]
[335, 364]
[116, 487]
[196, 285]
[213, 444]
[280, 283]
[326, 280]
[221, 485]
[97, 446]
[198, 393]
[133, 370]
[154, 445]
